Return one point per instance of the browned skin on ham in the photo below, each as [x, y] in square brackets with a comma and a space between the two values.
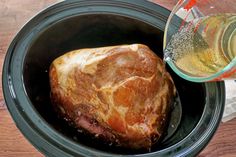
[120, 94]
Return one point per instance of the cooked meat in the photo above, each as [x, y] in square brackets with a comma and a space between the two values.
[120, 94]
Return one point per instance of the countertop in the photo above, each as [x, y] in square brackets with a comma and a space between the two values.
[13, 14]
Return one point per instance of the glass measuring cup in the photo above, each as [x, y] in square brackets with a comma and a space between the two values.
[200, 40]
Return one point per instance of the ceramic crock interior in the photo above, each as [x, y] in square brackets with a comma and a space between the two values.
[89, 31]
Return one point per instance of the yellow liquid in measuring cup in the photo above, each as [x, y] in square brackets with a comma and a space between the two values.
[205, 46]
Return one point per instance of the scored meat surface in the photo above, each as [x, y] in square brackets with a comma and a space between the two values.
[120, 94]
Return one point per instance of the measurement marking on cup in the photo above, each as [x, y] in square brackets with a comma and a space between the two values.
[197, 26]
[180, 1]
[190, 25]
[190, 4]
[214, 30]
[184, 21]
[225, 75]
[206, 27]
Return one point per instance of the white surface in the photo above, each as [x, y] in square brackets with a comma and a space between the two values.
[230, 103]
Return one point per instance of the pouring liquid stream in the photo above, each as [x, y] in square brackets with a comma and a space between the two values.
[204, 46]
